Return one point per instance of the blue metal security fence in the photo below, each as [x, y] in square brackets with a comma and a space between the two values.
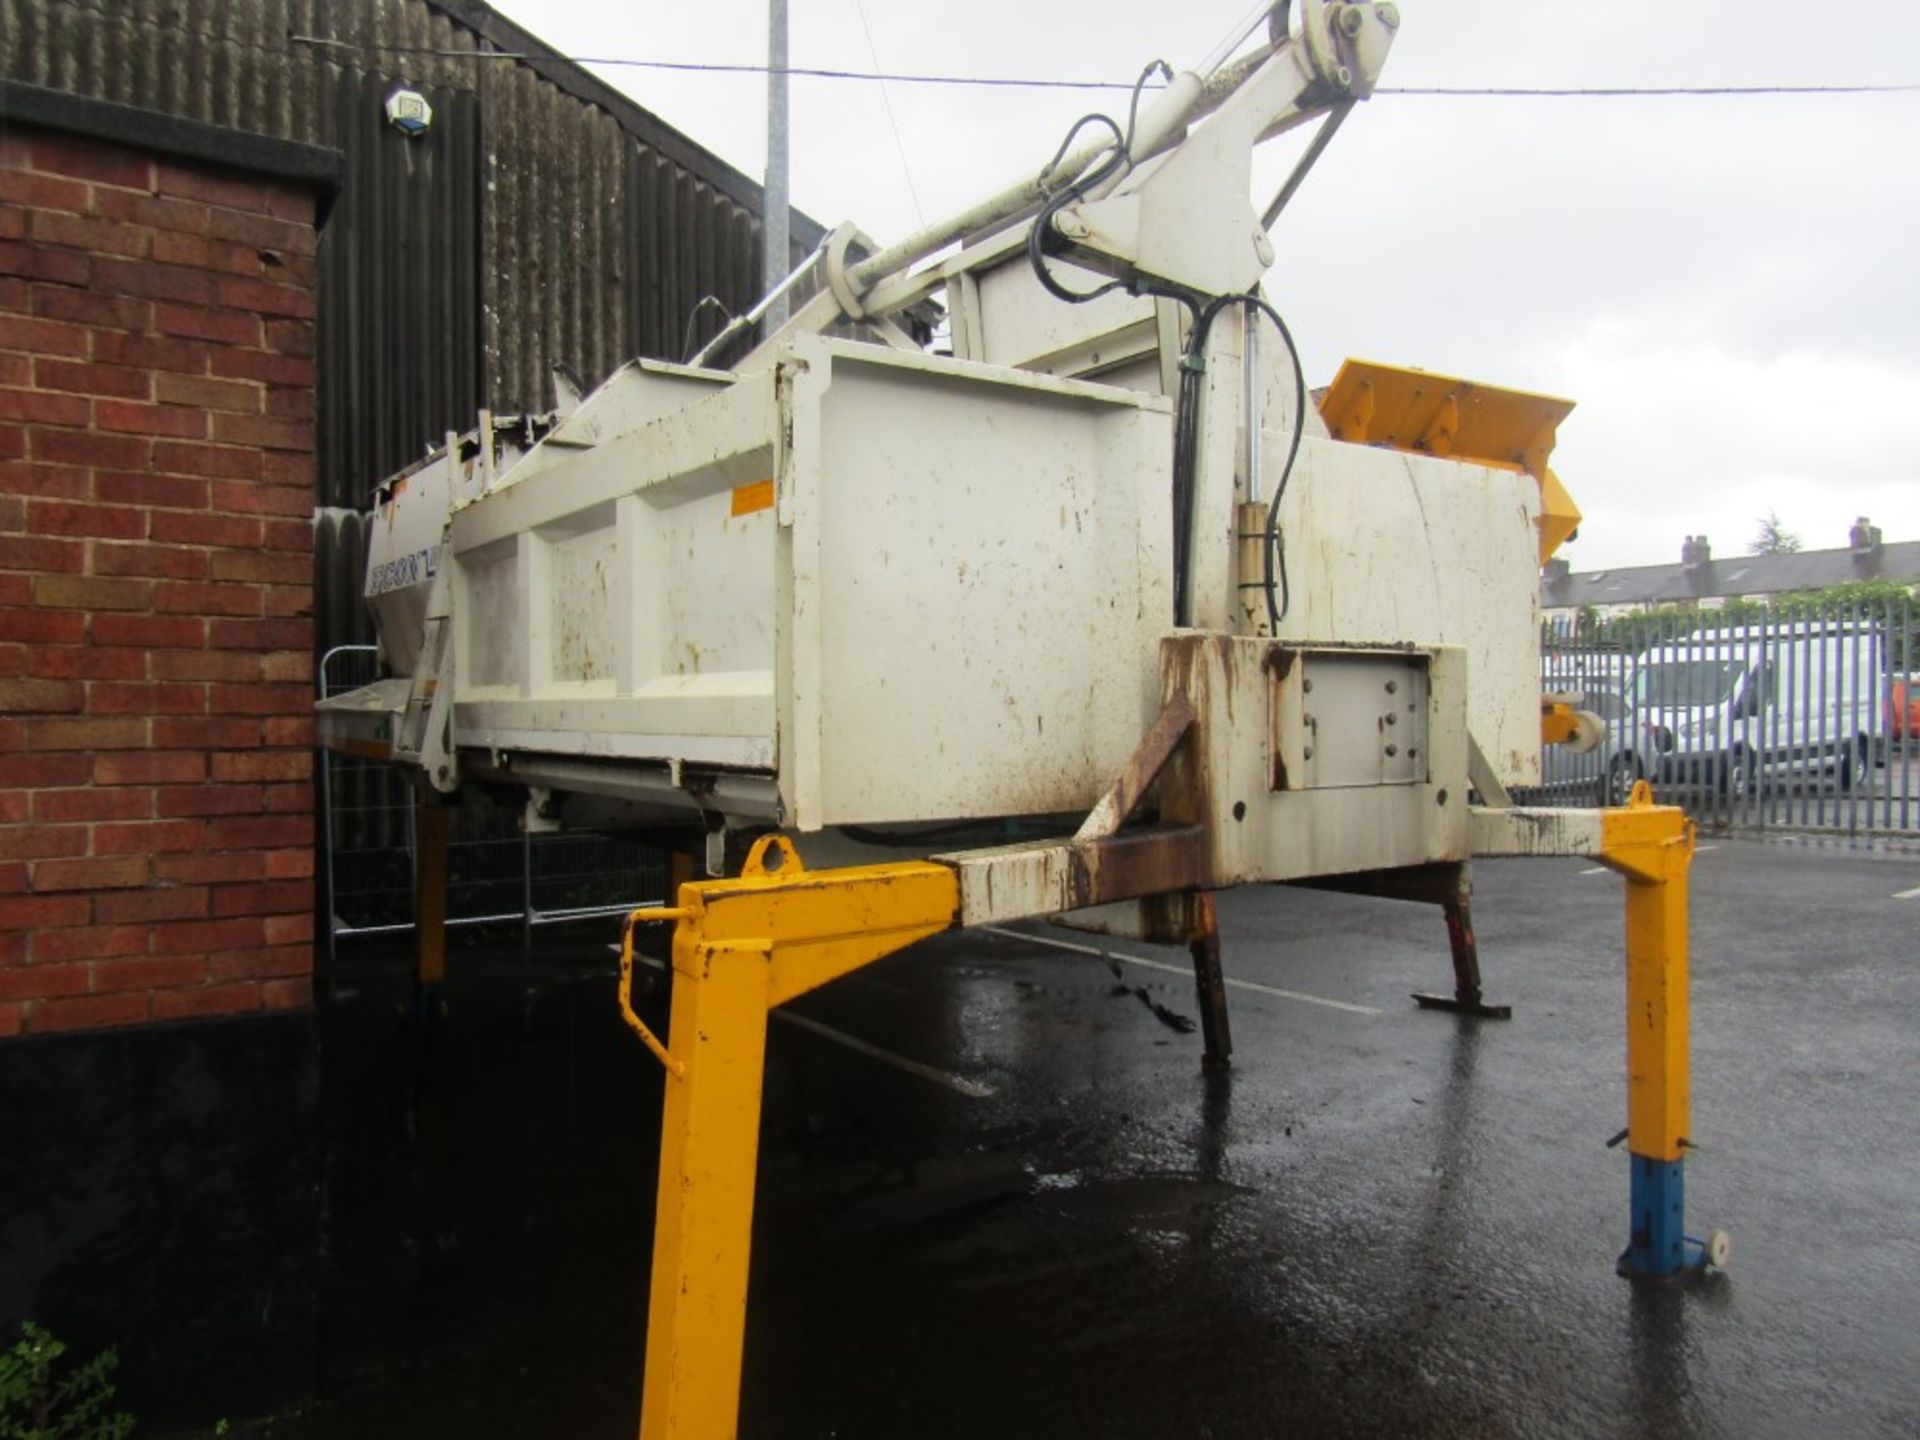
[496, 874]
[1798, 716]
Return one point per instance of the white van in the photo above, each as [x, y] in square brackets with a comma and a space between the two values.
[1761, 704]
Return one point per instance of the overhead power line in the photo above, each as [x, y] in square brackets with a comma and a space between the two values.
[1018, 82]
[1618, 92]
[899, 144]
[701, 67]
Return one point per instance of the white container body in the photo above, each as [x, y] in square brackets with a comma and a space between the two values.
[900, 588]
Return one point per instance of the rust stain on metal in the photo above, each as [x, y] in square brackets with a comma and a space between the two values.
[1141, 862]
[1143, 767]
[1277, 663]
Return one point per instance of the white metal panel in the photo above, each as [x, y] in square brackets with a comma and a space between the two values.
[612, 602]
[1388, 548]
[1365, 718]
[978, 580]
[954, 603]
[403, 552]
[1021, 325]
[582, 570]
[1240, 779]
[1537, 832]
[493, 641]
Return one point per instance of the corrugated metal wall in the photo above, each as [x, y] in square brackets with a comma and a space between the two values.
[340, 614]
[399, 332]
[542, 219]
[667, 207]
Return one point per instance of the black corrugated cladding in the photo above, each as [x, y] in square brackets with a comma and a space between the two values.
[400, 298]
[543, 219]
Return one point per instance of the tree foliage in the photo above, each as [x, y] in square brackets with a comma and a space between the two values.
[1773, 538]
[42, 1399]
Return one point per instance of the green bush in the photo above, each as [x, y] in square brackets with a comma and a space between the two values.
[41, 1399]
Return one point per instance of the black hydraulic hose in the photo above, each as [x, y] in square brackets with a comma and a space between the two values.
[1274, 550]
[1192, 364]
[1186, 441]
[1118, 159]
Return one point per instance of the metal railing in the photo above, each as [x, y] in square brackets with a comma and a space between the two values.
[1799, 716]
[496, 873]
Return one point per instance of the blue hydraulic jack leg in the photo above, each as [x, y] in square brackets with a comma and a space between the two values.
[1659, 1199]
[1660, 1248]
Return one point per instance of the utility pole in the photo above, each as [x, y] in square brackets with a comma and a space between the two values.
[773, 228]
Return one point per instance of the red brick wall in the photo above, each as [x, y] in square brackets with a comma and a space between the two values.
[156, 482]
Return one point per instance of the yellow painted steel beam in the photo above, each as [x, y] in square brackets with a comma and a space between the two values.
[1559, 516]
[741, 947]
[1442, 415]
[1652, 846]
[703, 1224]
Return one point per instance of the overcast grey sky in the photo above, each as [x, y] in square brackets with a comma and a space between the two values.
[1726, 286]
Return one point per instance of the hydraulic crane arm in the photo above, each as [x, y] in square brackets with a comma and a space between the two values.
[1165, 208]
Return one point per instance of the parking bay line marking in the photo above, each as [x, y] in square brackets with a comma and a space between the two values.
[1913, 894]
[1121, 955]
[972, 1089]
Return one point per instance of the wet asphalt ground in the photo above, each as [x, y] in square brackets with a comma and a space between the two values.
[1031, 1214]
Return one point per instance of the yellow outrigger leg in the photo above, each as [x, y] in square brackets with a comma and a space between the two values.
[741, 947]
[1652, 846]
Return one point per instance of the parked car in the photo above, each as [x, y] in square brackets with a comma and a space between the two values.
[1728, 710]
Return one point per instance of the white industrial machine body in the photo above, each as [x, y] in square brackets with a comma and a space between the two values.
[952, 606]
[1087, 619]
[848, 584]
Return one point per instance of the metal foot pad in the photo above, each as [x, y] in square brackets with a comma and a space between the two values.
[1462, 1005]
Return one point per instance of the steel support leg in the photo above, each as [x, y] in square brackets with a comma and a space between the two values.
[1209, 987]
[1653, 849]
[1450, 886]
[741, 947]
[429, 902]
[1455, 904]
[709, 1143]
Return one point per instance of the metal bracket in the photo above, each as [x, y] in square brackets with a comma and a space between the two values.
[1143, 767]
[840, 245]
[1481, 772]
[424, 736]
[645, 915]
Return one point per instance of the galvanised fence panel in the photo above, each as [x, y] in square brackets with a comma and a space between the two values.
[496, 874]
[1798, 716]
